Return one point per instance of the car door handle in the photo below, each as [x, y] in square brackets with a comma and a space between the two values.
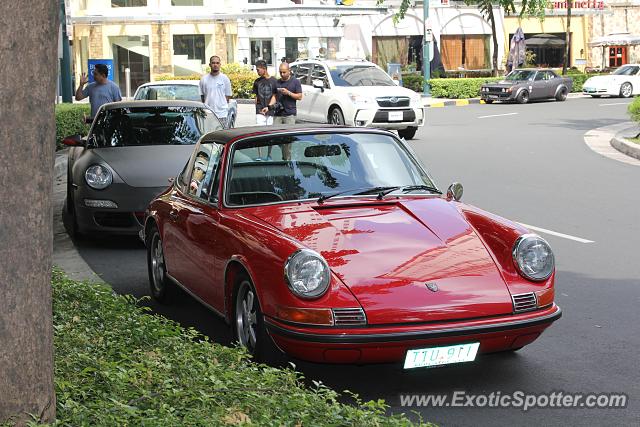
[173, 215]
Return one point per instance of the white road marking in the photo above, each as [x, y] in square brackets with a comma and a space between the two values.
[497, 115]
[614, 103]
[555, 233]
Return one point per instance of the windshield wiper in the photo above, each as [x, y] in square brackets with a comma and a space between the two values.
[408, 188]
[359, 191]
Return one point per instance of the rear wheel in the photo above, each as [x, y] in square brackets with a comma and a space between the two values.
[336, 117]
[162, 289]
[562, 94]
[595, 96]
[523, 97]
[626, 90]
[408, 133]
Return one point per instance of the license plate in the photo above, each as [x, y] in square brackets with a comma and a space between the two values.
[395, 116]
[588, 89]
[492, 96]
[436, 356]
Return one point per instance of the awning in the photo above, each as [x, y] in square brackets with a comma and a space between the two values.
[615, 39]
[544, 40]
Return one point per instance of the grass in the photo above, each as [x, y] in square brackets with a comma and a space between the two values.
[634, 140]
[118, 365]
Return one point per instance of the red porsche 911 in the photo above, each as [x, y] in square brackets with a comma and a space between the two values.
[334, 245]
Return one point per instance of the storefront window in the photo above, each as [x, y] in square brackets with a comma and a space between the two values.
[469, 52]
[262, 49]
[617, 56]
[329, 46]
[186, 2]
[191, 45]
[128, 3]
[296, 48]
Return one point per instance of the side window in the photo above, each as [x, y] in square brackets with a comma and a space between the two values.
[539, 76]
[301, 72]
[319, 73]
[203, 170]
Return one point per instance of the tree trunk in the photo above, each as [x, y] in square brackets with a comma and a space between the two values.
[567, 47]
[494, 36]
[28, 74]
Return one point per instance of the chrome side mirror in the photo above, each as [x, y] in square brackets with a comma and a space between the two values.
[455, 191]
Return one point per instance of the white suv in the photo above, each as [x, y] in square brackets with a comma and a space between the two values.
[356, 93]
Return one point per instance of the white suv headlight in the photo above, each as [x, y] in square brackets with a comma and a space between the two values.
[359, 99]
[98, 177]
[533, 257]
[307, 273]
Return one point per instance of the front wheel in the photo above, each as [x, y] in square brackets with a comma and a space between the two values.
[336, 117]
[626, 90]
[408, 133]
[562, 94]
[595, 96]
[248, 322]
[523, 97]
[488, 101]
[162, 289]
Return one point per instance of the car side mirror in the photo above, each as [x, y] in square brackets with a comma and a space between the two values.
[318, 84]
[73, 141]
[455, 191]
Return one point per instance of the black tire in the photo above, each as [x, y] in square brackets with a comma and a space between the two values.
[336, 117]
[69, 218]
[408, 133]
[562, 94]
[595, 96]
[523, 97]
[248, 322]
[162, 288]
[488, 101]
[626, 90]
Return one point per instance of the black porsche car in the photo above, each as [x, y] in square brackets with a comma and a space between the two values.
[526, 84]
[128, 157]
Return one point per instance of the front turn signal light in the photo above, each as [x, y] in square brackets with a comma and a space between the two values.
[305, 316]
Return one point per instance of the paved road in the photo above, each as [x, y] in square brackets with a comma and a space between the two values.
[528, 163]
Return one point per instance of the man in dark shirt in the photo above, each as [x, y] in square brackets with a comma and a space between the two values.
[265, 88]
[289, 93]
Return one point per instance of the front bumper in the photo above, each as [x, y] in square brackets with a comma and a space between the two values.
[389, 118]
[378, 344]
[126, 219]
[598, 91]
[498, 96]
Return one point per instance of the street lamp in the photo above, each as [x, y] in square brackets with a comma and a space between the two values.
[426, 42]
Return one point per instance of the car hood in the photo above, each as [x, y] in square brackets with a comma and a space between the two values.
[605, 80]
[378, 90]
[147, 166]
[386, 253]
[505, 83]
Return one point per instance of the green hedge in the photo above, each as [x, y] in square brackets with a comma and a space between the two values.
[241, 76]
[634, 109]
[117, 365]
[70, 121]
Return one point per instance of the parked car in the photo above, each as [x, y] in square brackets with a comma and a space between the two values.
[342, 249]
[131, 151]
[356, 93]
[524, 84]
[623, 82]
[188, 90]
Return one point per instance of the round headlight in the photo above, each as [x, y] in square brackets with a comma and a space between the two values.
[98, 177]
[307, 273]
[533, 257]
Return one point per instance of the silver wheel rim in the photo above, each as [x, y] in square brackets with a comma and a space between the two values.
[335, 117]
[157, 263]
[626, 90]
[246, 317]
[525, 97]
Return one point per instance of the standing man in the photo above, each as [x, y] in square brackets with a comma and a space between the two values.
[215, 90]
[101, 91]
[289, 93]
[265, 88]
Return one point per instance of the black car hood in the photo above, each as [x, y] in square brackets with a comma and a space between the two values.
[146, 166]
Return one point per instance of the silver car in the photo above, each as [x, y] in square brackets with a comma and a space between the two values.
[188, 90]
[131, 152]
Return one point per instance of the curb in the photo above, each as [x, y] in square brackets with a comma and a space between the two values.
[455, 103]
[620, 143]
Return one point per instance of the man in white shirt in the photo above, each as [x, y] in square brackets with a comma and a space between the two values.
[215, 90]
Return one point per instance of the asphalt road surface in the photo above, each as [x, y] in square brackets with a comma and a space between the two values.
[528, 163]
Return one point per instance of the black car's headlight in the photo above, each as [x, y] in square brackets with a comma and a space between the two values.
[307, 273]
[98, 177]
[533, 257]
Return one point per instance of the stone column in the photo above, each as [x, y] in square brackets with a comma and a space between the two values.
[161, 50]
[95, 42]
[221, 42]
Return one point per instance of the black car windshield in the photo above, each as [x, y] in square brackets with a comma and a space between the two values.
[135, 126]
[359, 75]
[628, 70]
[169, 91]
[307, 166]
[518, 75]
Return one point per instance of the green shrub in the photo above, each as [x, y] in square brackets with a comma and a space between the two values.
[241, 76]
[413, 81]
[70, 121]
[117, 365]
[634, 109]
[458, 88]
